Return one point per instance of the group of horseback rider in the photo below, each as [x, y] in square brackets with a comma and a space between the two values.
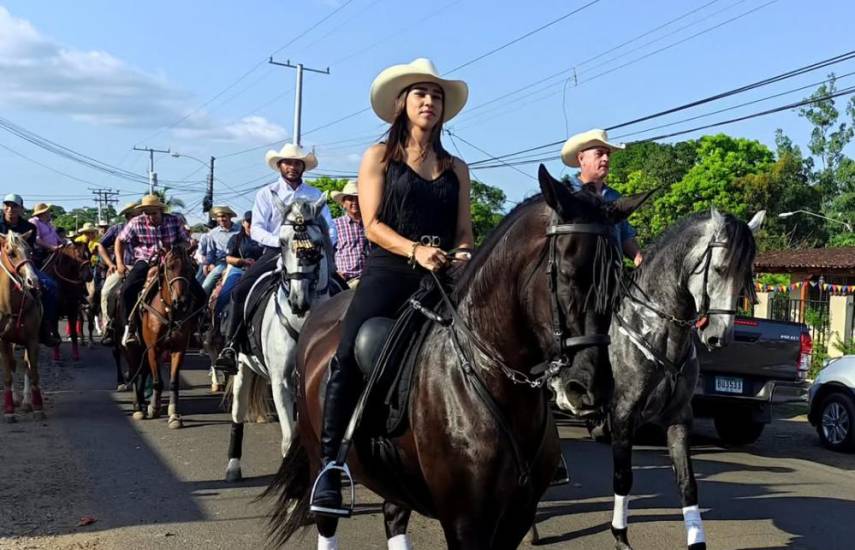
[409, 214]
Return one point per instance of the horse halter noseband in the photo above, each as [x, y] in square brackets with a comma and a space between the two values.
[706, 311]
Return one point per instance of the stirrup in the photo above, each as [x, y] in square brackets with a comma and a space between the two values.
[344, 511]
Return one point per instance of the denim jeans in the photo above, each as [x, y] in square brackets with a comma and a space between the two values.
[231, 281]
[50, 296]
[211, 279]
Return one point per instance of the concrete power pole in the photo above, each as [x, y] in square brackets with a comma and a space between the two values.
[208, 201]
[298, 96]
[104, 198]
[152, 175]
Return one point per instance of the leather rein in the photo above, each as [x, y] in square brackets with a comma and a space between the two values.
[562, 344]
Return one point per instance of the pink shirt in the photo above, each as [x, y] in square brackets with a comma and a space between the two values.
[46, 232]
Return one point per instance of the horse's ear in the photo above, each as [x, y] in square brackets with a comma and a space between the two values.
[621, 209]
[318, 205]
[26, 236]
[281, 206]
[757, 221]
[556, 193]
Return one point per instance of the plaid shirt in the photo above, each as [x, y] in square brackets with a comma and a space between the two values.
[351, 248]
[147, 238]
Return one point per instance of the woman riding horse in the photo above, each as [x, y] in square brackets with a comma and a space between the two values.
[410, 188]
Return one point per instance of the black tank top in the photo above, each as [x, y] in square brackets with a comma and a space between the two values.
[414, 206]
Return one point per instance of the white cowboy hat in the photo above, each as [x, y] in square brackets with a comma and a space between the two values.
[217, 210]
[41, 208]
[392, 81]
[586, 140]
[349, 190]
[294, 152]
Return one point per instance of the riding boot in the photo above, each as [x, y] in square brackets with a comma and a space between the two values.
[341, 397]
[130, 335]
[227, 361]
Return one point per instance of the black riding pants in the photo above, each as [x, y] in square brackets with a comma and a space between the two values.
[385, 285]
[234, 311]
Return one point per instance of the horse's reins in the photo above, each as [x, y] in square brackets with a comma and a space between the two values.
[699, 322]
[547, 370]
[15, 276]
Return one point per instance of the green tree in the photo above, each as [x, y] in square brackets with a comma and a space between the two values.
[328, 185]
[487, 208]
[828, 138]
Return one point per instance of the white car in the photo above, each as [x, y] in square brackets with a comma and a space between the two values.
[831, 398]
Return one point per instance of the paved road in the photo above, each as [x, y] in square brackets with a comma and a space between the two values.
[151, 487]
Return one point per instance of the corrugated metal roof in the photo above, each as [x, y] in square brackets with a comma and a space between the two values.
[808, 258]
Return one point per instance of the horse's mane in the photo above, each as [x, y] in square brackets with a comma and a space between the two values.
[495, 238]
[681, 238]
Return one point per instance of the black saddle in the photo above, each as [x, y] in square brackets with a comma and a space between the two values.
[391, 346]
[253, 311]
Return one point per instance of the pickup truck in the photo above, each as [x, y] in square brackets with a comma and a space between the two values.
[738, 383]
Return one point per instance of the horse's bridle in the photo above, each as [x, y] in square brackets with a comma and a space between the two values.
[310, 253]
[15, 273]
[56, 253]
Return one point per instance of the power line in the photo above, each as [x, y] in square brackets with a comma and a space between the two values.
[741, 89]
[523, 36]
[809, 101]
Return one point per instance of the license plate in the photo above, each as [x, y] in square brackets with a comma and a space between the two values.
[728, 384]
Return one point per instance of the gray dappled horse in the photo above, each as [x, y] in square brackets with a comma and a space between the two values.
[689, 285]
[307, 254]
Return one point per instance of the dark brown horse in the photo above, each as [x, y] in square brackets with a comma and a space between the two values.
[481, 446]
[71, 267]
[167, 315]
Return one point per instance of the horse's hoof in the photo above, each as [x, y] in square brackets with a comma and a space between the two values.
[39, 416]
[153, 412]
[10, 418]
[139, 415]
[122, 387]
[234, 476]
[175, 422]
[698, 546]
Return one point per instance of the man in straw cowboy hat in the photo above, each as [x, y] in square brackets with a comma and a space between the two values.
[106, 251]
[591, 152]
[13, 220]
[148, 233]
[215, 247]
[352, 246]
[290, 163]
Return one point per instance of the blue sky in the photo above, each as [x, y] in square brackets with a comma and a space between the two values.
[101, 76]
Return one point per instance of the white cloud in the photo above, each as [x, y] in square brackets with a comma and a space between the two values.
[99, 89]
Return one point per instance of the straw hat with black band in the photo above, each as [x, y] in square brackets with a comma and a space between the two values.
[218, 210]
[41, 208]
[392, 81]
[129, 208]
[150, 201]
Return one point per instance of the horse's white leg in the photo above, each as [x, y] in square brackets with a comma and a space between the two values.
[26, 400]
[325, 543]
[241, 384]
[678, 447]
[622, 430]
[212, 372]
[283, 395]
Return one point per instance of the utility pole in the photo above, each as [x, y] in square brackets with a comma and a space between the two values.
[298, 96]
[208, 201]
[104, 198]
[152, 175]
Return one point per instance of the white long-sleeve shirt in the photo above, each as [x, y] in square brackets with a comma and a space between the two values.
[266, 217]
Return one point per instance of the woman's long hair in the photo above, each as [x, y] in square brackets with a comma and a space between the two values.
[398, 134]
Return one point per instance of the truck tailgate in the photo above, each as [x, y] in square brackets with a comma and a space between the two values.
[760, 347]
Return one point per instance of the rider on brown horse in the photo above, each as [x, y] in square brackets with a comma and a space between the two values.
[290, 162]
[106, 250]
[149, 233]
[414, 199]
[13, 209]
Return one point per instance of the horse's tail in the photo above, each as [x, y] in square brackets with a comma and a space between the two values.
[259, 404]
[291, 487]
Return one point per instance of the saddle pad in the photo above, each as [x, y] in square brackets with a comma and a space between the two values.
[253, 311]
